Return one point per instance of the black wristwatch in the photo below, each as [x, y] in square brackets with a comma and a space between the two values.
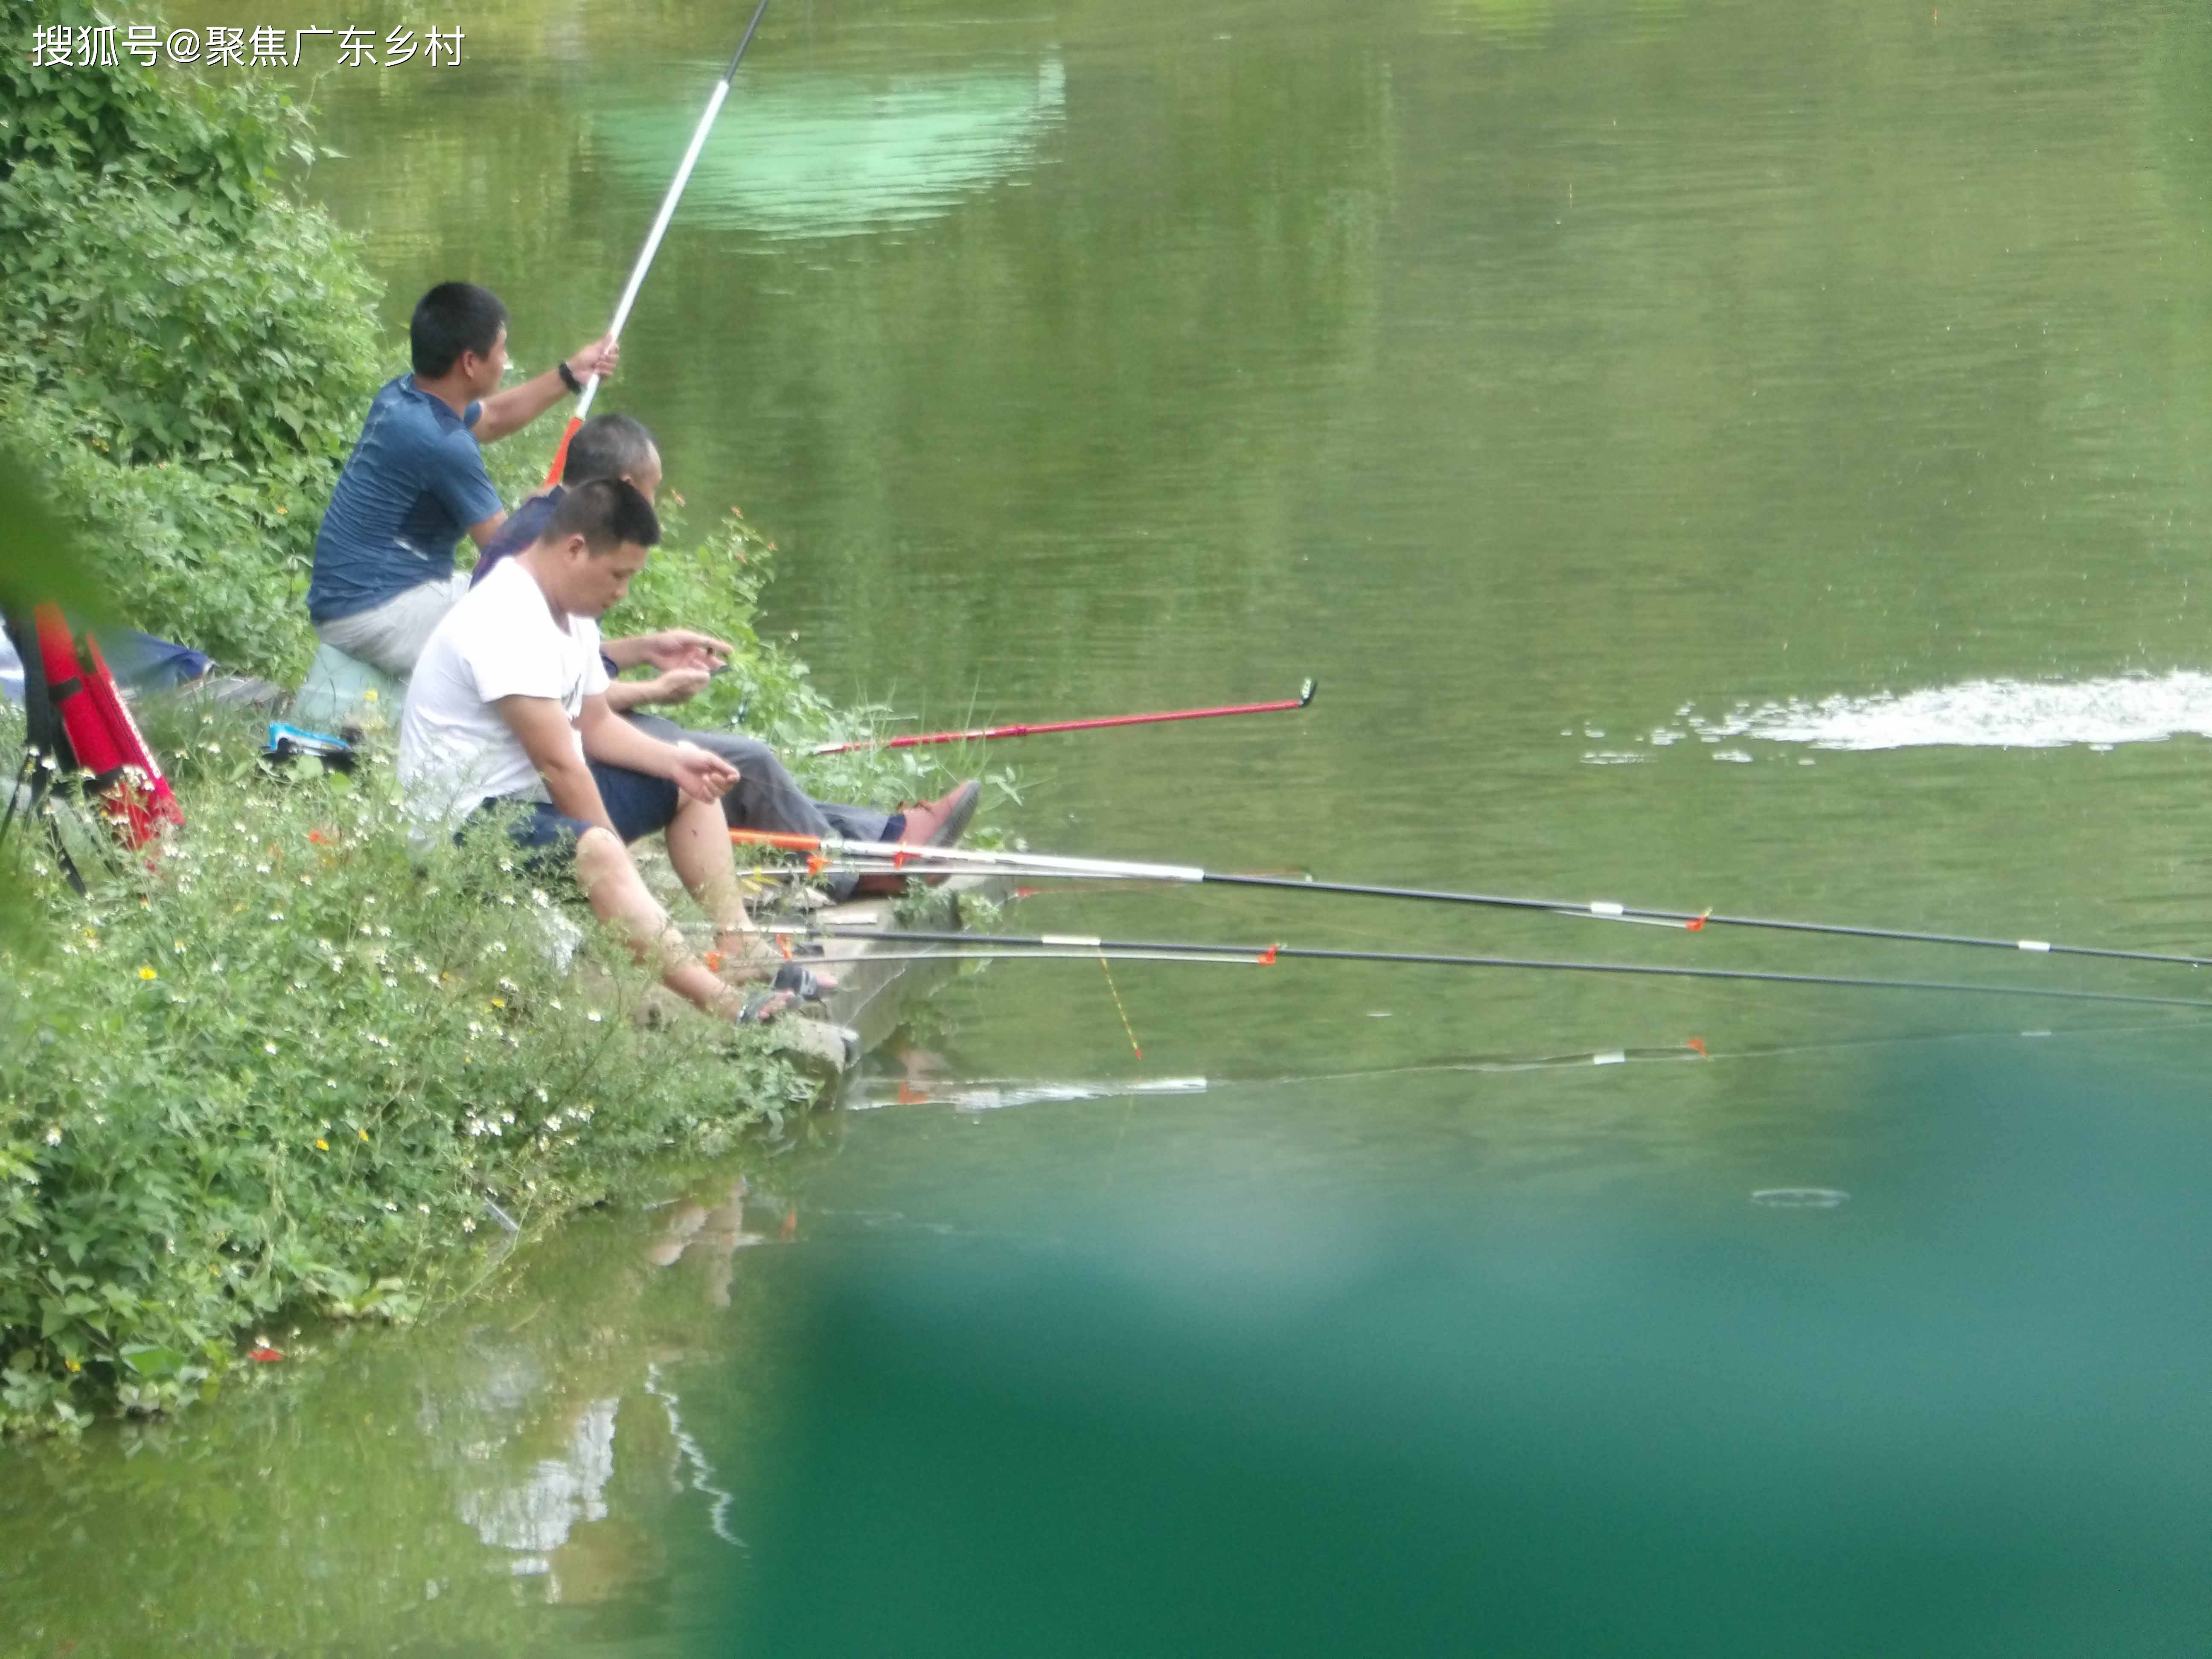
[569, 378]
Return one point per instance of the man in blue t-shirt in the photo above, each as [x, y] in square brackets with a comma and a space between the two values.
[416, 480]
[765, 796]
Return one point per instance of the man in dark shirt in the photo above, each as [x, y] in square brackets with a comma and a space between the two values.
[383, 574]
[766, 796]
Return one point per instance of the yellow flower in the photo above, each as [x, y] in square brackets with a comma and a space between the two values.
[364, 1134]
[322, 1145]
[148, 973]
[499, 1002]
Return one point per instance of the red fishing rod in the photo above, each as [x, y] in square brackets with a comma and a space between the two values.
[985, 733]
[653, 237]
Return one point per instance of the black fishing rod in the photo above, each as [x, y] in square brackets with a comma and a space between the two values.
[1084, 947]
[833, 853]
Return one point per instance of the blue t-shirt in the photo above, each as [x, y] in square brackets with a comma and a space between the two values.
[524, 526]
[413, 485]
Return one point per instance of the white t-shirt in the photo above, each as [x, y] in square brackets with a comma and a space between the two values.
[500, 640]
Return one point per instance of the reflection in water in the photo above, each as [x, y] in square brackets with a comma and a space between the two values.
[1800, 1198]
[532, 1454]
[532, 1517]
[989, 1096]
[820, 157]
[1981, 713]
[703, 1472]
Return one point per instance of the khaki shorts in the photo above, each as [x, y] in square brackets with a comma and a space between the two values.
[391, 636]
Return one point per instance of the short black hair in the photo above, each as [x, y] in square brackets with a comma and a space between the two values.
[607, 514]
[451, 318]
[606, 446]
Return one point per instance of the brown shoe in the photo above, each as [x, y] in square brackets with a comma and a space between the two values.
[938, 822]
[942, 822]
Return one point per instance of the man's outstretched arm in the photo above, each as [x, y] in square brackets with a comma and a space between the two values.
[518, 405]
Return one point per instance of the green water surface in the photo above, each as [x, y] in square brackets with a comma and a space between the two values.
[1709, 454]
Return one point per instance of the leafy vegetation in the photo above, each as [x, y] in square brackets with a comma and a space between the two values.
[189, 348]
[294, 1067]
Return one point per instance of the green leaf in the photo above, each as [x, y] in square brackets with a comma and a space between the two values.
[149, 1360]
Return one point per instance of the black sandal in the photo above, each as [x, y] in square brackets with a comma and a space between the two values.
[797, 977]
[764, 1007]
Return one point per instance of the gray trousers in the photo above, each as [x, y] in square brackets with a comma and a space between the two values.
[767, 797]
[391, 636]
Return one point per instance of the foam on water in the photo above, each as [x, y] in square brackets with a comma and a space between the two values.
[1981, 713]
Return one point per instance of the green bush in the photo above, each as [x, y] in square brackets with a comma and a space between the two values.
[189, 349]
[283, 1070]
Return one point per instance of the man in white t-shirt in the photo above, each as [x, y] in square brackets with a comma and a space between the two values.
[508, 709]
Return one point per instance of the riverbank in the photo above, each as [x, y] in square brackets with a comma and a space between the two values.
[292, 1069]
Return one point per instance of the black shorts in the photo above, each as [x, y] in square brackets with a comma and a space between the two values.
[637, 806]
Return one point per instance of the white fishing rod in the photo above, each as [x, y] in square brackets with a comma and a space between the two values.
[653, 237]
